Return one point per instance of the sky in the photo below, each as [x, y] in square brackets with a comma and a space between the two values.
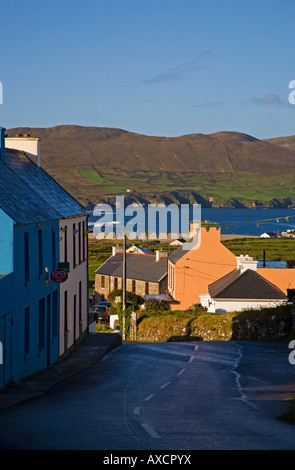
[154, 67]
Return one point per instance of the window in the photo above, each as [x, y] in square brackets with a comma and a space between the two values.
[53, 248]
[146, 288]
[41, 324]
[66, 312]
[116, 283]
[40, 251]
[84, 241]
[75, 313]
[27, 331]
[80, 302]
[74, 245]
[27, 257]
[102, 282]
[65, 229]
[133, 286]
[79, 242]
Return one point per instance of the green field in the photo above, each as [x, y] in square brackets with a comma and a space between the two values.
[222, 189]
[280, 249]
[92, 176]
[277, 249]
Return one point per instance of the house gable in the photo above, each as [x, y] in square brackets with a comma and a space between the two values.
[191, 271]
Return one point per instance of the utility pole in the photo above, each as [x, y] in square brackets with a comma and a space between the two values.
[124, 281]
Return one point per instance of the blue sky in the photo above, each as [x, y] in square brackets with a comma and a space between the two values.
[155, 67]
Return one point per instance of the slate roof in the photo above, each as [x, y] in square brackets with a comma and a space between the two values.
[138, 266]
[248, 285]
[177, 254]
[28, 194]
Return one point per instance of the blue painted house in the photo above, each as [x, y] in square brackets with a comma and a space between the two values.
[31, 207]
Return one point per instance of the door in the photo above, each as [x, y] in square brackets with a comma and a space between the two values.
[48, 330]
[75, 318]
[5, 349]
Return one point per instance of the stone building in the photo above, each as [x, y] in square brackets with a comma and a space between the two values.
[146, 274]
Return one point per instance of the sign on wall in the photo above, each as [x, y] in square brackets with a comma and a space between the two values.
[58, 275]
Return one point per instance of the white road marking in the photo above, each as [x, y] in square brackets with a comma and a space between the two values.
[180, 372]
[196, 348]
[150, 431]
[191, 359]
[165, 385]
[137, 410]
[149, 397]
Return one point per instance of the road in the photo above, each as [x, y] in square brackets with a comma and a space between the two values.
[168, 396]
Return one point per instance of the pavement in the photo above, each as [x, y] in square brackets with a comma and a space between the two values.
[89, 351]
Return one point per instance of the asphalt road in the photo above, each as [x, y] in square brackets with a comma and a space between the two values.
[168, 396]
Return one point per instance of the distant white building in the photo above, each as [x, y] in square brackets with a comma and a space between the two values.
[137, 249]
[269, 235]
[178, 242]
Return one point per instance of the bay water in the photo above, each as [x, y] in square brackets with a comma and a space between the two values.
[251, 222]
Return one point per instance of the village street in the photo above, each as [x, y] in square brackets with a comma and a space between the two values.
[167, 396]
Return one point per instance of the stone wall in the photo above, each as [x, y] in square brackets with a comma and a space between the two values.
[266, 325]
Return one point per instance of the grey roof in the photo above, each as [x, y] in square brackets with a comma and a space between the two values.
[28, 194]
[248, 285]
[138, 266]
[177, 254]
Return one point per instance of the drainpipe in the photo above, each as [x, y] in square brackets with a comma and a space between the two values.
[2, 144]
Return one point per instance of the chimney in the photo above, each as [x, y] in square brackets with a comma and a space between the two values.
[2, 144]
[245, 262]
[160, 253]
[116, 249]
[27, 144]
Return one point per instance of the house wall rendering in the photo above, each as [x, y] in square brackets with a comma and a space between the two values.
[190, 275]
[29, 307]
[74, 291]
[283, 278]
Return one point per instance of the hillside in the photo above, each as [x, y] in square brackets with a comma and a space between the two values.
[228, 169]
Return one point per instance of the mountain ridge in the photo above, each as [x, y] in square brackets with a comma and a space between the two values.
[222, 169]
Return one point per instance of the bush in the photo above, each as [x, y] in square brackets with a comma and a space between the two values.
[130, 297]
[118, 310]
[100, 328]
[198, 308]
[155, 305]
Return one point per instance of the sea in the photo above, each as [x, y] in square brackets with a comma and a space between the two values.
[248, 222]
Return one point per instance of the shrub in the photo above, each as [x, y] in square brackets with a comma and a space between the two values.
[130, 297]
[155, 305]
[118, 310]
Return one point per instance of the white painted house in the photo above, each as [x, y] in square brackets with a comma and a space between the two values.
[241, 289]
[268, 235]
[74, 292]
